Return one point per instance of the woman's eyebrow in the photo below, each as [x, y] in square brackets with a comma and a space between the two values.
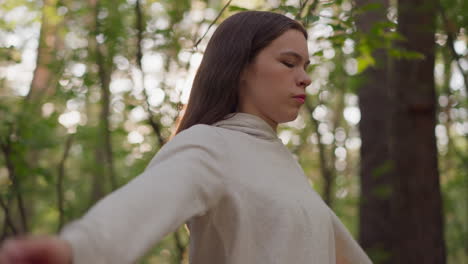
[294, 54]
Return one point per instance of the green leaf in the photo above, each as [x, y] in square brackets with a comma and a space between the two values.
[289, 9]
[405, 54]
[368, 7]
[365, 59]
[310, 18]
[382, 191]
[234, 8]
[10, 54]
[318, 53]
[385, 167]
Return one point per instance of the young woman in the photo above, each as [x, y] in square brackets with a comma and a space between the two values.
[226, 173]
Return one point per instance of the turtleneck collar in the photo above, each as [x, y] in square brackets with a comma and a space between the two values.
[249, 124]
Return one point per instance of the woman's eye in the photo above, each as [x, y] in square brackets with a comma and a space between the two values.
[289, 65]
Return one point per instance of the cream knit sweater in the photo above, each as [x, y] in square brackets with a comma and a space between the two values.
[244, 197]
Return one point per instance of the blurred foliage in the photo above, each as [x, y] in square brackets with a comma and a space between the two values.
[325, 137]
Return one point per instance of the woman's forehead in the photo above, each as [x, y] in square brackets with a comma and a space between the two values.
[290, 43]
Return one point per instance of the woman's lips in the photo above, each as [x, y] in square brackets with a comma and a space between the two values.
[300, 98]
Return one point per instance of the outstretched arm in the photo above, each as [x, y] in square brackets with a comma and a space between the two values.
[182, 180]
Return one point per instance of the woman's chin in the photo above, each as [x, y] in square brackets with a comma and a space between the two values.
[288, 118]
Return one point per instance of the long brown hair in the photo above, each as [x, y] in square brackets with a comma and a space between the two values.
[234, 44]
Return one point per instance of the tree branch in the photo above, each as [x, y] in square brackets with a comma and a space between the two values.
[60, 178]
[104, 72]
[139, 56]
[212, 23]
[324, 167]
[7, 152]
[301, 9]
[179, 245]
[8, 220]
[450, 44]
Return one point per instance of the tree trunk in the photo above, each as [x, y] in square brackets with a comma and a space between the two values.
[42, 87]
[375, 229]
[50, 42]
[417, 203]
[103, 151]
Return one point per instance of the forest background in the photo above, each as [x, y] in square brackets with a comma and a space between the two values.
[90, 91]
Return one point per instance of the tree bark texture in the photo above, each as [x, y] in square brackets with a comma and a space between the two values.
[417, 203]
[50, 41]
[102, 55]
[375, 229]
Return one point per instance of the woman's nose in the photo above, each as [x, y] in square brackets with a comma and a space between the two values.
[304, 79]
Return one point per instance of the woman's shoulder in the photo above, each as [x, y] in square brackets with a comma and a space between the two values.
[199, 134]
[197, 141]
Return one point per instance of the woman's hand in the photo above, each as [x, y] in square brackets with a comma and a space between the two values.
[35, 250]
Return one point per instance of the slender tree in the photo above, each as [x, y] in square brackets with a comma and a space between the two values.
[50, 41]
[417, 203]
[102, 52]
[375, 232]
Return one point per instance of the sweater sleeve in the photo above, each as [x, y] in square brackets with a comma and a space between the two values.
[183, 180]
[348, 251]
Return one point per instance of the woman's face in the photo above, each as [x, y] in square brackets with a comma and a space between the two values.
[270, 84]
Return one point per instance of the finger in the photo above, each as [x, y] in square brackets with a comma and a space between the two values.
[12, 252]
[22, 250]
[3, 258]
